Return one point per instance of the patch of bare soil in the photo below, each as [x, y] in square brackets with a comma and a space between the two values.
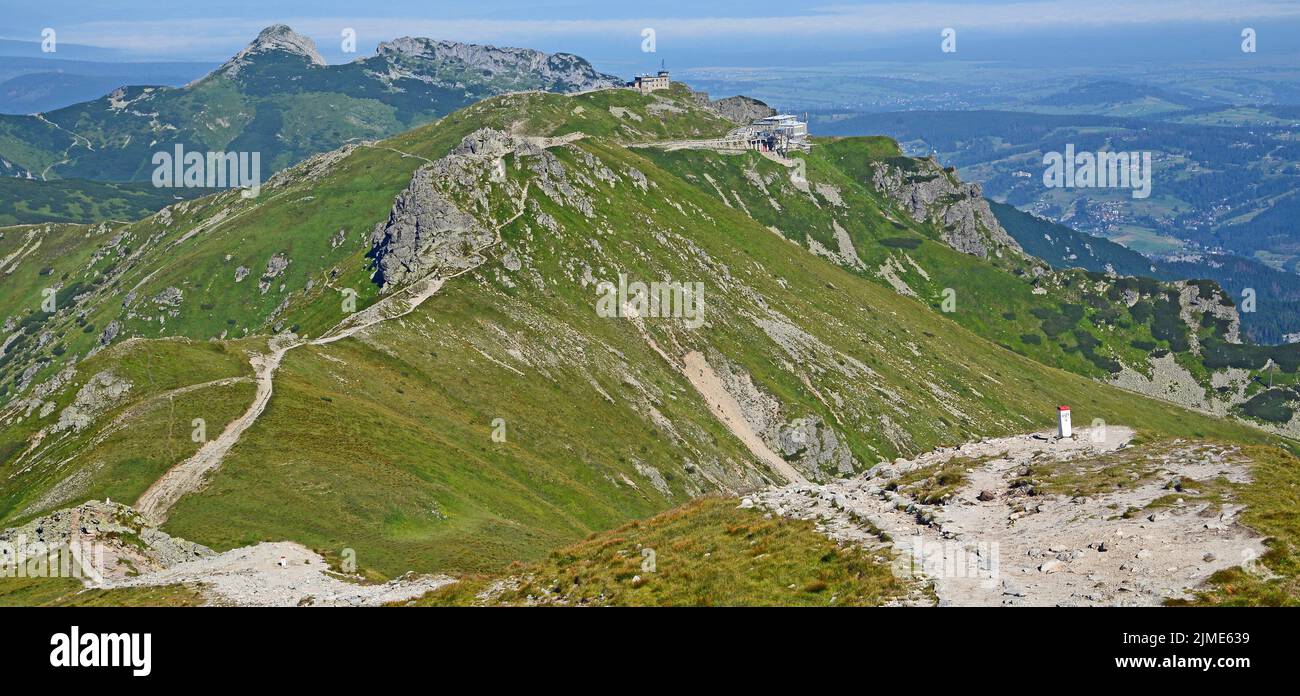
[724, 407]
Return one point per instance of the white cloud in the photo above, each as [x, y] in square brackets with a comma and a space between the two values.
[220, 36]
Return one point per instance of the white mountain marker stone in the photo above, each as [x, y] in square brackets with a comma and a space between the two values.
[1063, 422]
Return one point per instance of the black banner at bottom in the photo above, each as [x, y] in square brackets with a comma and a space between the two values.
[308, 645]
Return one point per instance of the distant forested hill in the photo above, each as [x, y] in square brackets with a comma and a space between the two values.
[28, 201]
[1277, 293]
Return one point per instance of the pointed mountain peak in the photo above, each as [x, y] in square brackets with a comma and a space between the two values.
[277, 38]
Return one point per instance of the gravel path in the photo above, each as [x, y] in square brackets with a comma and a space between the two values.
[996, 543]
[282, 574]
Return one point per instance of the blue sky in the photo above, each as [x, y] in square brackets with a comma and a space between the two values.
[698, 33]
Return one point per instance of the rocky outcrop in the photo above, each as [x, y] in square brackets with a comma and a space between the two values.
[101, 393]
[275, 267]
[169, 297]
[426, 229]
[110, 332]
[23, 408]
[813, 447]
[448, 62]
[552, 177]
[1193, 299]
[110, 540]
[928, 192]
[739, 109]
[482, 143]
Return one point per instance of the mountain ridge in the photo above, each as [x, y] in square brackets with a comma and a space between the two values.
[278, 96]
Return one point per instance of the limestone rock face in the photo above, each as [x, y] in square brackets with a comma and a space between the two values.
[169, 297]
[813, 447]
[739, 109]
[110, 332]
[443, 62]
[485, 142]
[98, 395]
[275, 266]
[426, 229]
[928, 192]
[1218, 306]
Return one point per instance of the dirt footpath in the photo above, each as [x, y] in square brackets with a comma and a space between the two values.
[996, 540]
[190, 474]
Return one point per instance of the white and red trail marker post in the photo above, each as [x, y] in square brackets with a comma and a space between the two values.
[1063, 428]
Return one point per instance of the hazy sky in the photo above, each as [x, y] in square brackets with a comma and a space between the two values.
[690, 32]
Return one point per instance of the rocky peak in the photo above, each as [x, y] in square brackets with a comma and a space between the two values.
[479, 56]
[277, 38]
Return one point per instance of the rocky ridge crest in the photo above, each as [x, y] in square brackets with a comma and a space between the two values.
[933, 193]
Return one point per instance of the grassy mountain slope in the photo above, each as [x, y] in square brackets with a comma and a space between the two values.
[91, 443]
[705, 553]
[69, 592]
[1058, 319]
[382, 443]
[1179, 340]
[28, 201]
